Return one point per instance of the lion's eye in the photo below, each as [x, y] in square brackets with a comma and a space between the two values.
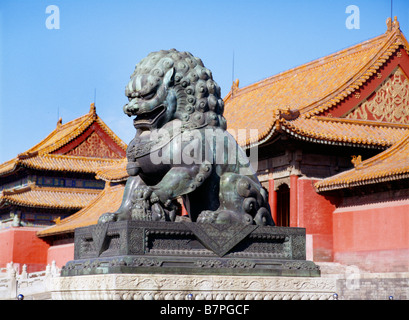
[149, 95]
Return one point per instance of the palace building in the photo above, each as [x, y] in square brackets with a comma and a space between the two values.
[60, 236]
[333, 149]
[51, 181]
[332, 144]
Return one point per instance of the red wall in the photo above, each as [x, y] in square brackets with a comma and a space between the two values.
[60, 254]
[374, 236]
[22, 246]
[6, 251]
[315, 212]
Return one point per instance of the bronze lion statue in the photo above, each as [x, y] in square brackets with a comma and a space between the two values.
[182, 149]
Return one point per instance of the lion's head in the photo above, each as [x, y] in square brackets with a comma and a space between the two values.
[169, 85]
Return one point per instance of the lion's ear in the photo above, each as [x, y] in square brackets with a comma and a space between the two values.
[169, 77]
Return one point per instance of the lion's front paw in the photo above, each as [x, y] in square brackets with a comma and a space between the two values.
[207, 216]
[146, 193]
[107, 217]
[154, 197]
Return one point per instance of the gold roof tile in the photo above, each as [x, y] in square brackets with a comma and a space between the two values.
[114, 173]
[108, 200]
[311, 88]
[391, 164]
[40, 156]
[67, 132]
[48, 197]
[58, 162]
[339, 131]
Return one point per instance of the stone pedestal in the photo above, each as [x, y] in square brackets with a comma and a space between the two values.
[202, 287]
[146, 247]
[171, 260]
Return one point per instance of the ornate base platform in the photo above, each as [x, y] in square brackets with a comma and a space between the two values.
[146, 247]
[195, 287]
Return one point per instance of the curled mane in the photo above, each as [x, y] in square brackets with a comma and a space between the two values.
[198, 95]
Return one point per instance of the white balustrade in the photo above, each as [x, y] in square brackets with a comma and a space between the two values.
[13, 284]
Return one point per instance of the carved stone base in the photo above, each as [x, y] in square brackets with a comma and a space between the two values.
[189, 248]
[182, 287]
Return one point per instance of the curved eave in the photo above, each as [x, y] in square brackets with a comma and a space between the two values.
[58, 198]
[320, 187]
[262, 138]
[107, 178]
[114, 173]
[63, 163]
[327, 139]
[13, 167]
[336, 142]
[108, 200]
[7, 201]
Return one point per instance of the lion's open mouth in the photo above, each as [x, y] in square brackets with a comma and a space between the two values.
[149, 118]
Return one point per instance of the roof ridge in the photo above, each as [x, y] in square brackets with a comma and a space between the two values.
[314, 63]
[66, 156]
[65, 189]
[361, 76]
[76, 127]
[59, 127]
[111, 133]
[382, 48]
[88, 119]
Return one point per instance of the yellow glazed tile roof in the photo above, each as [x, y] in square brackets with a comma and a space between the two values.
[56, 162]
[344, 131]
[114, 173]
[109, 200]
[310, 88]
[48, 197]
[65, 133]
[391, 164]
[329, 130]
[40, 157]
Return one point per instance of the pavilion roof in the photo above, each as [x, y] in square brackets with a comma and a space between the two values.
[114, 173]
[48, 197]
[45, 155]
[391, 164]
[109, 200]
[56, 162]
[341, 131]
[310, 89]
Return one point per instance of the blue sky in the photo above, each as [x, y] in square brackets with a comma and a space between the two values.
[50, 73]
